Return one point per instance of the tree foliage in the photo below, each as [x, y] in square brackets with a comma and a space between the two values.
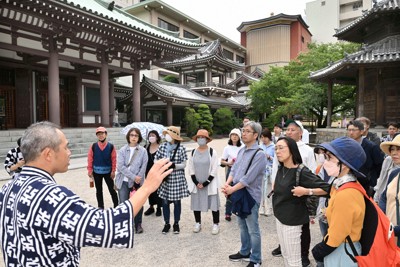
[289, 90]
[206, 119]
[191, 121]
[224, 120]
[171, 79]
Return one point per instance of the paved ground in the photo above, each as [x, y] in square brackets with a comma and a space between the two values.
[186, 249]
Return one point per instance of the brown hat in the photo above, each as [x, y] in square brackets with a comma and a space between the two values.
[385, 145]
[174, 132]
[202, 133]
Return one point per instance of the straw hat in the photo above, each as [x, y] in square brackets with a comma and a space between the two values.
[202, 133]
[385, 145]
[174, 132]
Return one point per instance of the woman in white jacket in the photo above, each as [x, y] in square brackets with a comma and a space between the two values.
[204, 183]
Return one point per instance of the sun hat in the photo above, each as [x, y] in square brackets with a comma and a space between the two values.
[348, 151]
[174, 132]
[101, 129]
[386, 145]
[235, 131]
[204, 133]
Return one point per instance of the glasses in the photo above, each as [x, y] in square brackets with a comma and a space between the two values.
[353, 129]
[134, 135]
[246, 132]
[279, 147]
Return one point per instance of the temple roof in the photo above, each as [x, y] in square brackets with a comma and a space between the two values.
[244, 76]
[179, 92]
[243, 100]
[385, 51]
[210, 52]
[116, 15]
[377, 15]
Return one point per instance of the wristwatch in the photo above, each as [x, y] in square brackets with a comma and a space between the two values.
[310, 192]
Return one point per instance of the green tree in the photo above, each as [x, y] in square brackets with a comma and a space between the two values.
[224, 120]
[206, 119]
[171, 79]
[191, 121]
[289, 90]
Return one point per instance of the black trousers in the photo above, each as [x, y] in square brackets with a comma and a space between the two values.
[305, 240]
[215, 215]
[98, 182]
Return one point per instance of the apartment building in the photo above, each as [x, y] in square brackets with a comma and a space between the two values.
[324, 16]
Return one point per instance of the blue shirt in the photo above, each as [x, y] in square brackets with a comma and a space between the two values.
[270, 151]
[44, 224]
[253, 179]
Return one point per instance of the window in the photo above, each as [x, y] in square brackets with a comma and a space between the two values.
[92, 99]
[189, 35]
[322, 3]
[167, 26]
[357, 5]
[239, 59]
[228, 54]
[302, 39]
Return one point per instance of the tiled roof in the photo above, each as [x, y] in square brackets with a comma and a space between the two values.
[245, 76]
[99, 8]
[382, 6]
[242, 99]
[181, 92]
[210, 51]
[384, 51]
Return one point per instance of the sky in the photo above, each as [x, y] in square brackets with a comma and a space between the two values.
[224, 16]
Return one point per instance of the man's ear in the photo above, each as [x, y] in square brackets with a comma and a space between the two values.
[47, 153]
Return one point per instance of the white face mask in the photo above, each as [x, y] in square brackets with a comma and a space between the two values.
[320, 158]
[168, 138]
[201, 141]
[152, 139]
[331, 168]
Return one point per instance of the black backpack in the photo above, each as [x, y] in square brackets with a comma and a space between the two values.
[211, 151]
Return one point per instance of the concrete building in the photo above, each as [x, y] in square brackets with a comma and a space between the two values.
[273, 41]
[324, 16]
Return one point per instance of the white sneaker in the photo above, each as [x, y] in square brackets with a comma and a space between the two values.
[197, 228]
[215, 229]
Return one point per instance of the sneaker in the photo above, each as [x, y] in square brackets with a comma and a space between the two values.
[166, 228]
[158, 212]
[277, 252]
[228, 217]
[239, 257]
[215, 229]
[176, 228]
[139, 229]
[305, 262]
[197, 228]
[149, 211]
[253, 264]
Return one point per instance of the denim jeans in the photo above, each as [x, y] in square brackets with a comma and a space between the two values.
[228, 205]
[250, 236]
[123, 193]
[166, 211]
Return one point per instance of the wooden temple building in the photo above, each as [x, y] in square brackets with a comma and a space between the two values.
[375, 69]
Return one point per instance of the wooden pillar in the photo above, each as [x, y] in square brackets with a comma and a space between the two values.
[136, 94]
[181, 78]
[54, 84]
[111, 100]
[104, 93]
[209, 76]
[169, 113]
[360, 92]
[380, 110]
[329, 105]
[79, 91]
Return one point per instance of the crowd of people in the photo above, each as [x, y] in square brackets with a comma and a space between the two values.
[271, 173]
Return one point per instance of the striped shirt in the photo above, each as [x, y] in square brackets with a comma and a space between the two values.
[44, 224]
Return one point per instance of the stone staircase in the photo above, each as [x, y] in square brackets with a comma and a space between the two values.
[80, 140]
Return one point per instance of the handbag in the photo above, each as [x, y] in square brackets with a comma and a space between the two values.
[172, 159]
[311, 201]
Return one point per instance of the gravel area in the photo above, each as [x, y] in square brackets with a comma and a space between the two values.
[152, 248]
